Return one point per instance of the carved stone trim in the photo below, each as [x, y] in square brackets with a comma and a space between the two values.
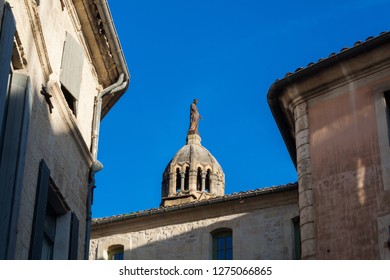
[39, 39]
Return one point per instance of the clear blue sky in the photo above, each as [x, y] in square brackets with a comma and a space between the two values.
[226, 53]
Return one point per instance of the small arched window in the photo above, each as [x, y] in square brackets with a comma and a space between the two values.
[199, 179]
[208, 180]
[222, 244]
[116, 252]
[187, 179]
[178, 180]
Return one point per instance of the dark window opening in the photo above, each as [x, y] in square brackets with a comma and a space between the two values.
[178, 180]
[199, 180]
[208, 180]
[72, 102]
[187, 179]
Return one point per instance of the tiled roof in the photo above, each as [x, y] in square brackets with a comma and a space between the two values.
[215, 200]
[312, 69]
[343, 50]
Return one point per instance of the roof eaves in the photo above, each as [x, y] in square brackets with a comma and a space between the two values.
[276, 88]
[102, 40]
[117, 53]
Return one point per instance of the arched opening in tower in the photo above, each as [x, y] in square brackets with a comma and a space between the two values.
[199, 180]
[187, 179]
[178, 180]
[208, 180]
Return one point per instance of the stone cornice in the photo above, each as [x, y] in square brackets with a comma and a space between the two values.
[103, 43]
[241, 196]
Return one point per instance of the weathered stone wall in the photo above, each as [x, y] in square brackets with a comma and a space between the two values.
[60, 138]
[308, 239]
[261, 226]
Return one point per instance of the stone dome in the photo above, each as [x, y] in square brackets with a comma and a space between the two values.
[198, 153]
[192, 174]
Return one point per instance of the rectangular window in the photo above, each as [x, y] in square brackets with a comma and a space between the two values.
[222, 244]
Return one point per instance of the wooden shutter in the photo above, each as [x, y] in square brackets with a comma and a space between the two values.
[12, 161]
[39, 212]
[74, 237]
[72, 66]
[7, 31]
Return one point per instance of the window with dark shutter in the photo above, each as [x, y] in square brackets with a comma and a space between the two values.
[39, 212]
[55, 229]
[71, 71]
[7, 31]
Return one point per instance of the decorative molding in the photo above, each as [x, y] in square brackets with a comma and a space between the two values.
[39, 39]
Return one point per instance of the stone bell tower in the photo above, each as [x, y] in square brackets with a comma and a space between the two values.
[193, 174]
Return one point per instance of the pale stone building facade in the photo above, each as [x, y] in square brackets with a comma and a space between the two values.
[58, 61]
[197, 220]
[261, 224]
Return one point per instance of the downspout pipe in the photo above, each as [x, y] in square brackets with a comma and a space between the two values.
[96, 166]
[98, 111]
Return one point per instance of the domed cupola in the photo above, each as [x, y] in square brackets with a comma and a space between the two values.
[193, 174]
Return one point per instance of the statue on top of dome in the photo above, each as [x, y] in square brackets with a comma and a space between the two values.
[194, 118]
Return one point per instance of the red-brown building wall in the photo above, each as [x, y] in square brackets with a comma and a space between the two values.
[348, 193]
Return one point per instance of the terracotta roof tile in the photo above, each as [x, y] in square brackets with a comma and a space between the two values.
[357, 43]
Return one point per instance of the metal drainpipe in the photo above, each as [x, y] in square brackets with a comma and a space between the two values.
[97, 165]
